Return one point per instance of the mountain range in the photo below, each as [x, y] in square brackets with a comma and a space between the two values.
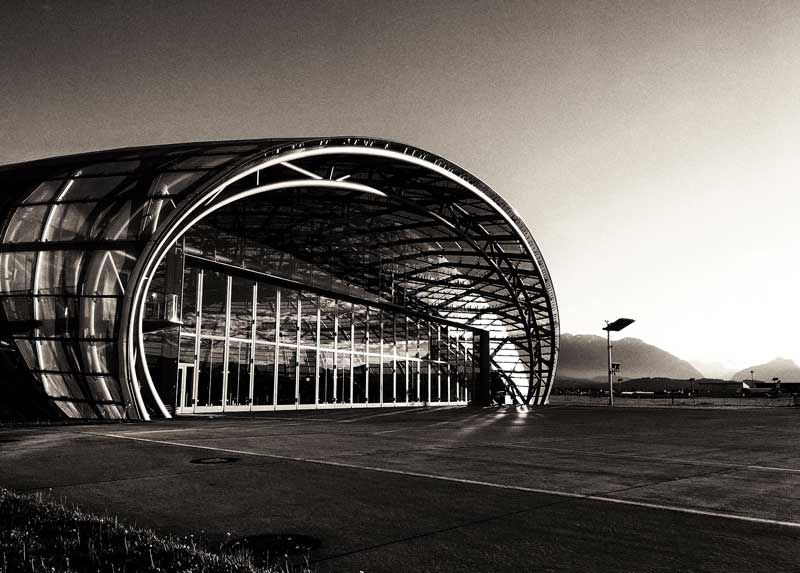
[782, 368]
[583, 357]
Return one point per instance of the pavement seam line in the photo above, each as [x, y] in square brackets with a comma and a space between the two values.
[566, 494]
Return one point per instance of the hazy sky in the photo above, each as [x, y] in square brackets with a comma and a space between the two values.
[652, 147]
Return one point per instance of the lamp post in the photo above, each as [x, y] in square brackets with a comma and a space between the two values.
[610, 327]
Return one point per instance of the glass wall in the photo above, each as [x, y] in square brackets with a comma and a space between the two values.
[246, 345]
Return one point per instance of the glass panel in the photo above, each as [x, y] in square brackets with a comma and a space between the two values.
[202, 162]
[387, 320]
[70, 221]
[90, 188]
[436, 394]
[288, 319]
[413, 381]
[210, 363]
[16, 272]
[59, 316]
[327, 332]
[18, 307]
[189, 304]
[25, 348]
[413, 337]
[98, 317]
[238, 373]
[327, 364]
[424, 383]
[111, 167]
[308, 374]
[287, 361]
[215, 293]
[343, 378]
[173, 183]
[187, 381]
[374, 381]
[186, 350]
[241, 308]
[375, 318]
[401, 383]
[434, 342]
[59, 271]
[308, 319]
[388, 379]
[424, 339]
[265, 312]
[360, 328]
[401, 335]
[53, 355]
[121, 220]
[453, 381]
[61, 385]
[359, 379]
[264, 375]
[26, 224]
[344, 312]
[44, 192]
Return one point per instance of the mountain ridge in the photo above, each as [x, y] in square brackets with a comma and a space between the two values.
[583, 356]
[784, 368]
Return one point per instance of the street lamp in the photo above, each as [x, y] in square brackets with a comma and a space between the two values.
[610, 327]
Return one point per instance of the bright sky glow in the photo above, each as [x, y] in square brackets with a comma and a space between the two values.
[651, 147]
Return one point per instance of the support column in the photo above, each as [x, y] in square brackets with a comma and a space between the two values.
[482, 396]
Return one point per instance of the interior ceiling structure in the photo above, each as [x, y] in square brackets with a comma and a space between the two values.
[404, 225]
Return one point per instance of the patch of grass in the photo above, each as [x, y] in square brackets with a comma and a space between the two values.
[41, 535]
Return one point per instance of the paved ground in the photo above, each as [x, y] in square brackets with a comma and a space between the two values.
[450, 489]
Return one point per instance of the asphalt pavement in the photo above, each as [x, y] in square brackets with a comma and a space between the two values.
[448, 489]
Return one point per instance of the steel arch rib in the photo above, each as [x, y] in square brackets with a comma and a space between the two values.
[184, 217]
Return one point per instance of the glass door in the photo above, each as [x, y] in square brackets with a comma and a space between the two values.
[186, 388]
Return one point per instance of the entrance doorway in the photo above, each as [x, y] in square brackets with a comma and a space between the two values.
[186, 401]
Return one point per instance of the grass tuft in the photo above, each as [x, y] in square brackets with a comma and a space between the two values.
[41, 535]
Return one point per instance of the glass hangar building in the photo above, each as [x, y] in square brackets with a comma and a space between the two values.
[265, 275]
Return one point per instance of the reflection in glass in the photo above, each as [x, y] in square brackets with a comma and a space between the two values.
[241, 307]
[189, 303]
[265, 312]
[238, 373]
[374, 381]
[401, 335]
[215, 294]
[401, 381]
[359, 379]
[307, 375]
[327, 331]
[327, 364]
[308, 319]
[264, 375]
[210, 365]
[424, 382]
[288, 318]
[387, 379]
[343, 378]
[359, 328]
[26, 224]
[413, 381]
[70, 221]
[344, 313]
[287, 362]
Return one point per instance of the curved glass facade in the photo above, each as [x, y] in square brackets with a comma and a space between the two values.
[268, 274]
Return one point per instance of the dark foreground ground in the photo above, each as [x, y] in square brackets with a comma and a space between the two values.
[450, 489]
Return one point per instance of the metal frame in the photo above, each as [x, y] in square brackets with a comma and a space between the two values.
[435, 241]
